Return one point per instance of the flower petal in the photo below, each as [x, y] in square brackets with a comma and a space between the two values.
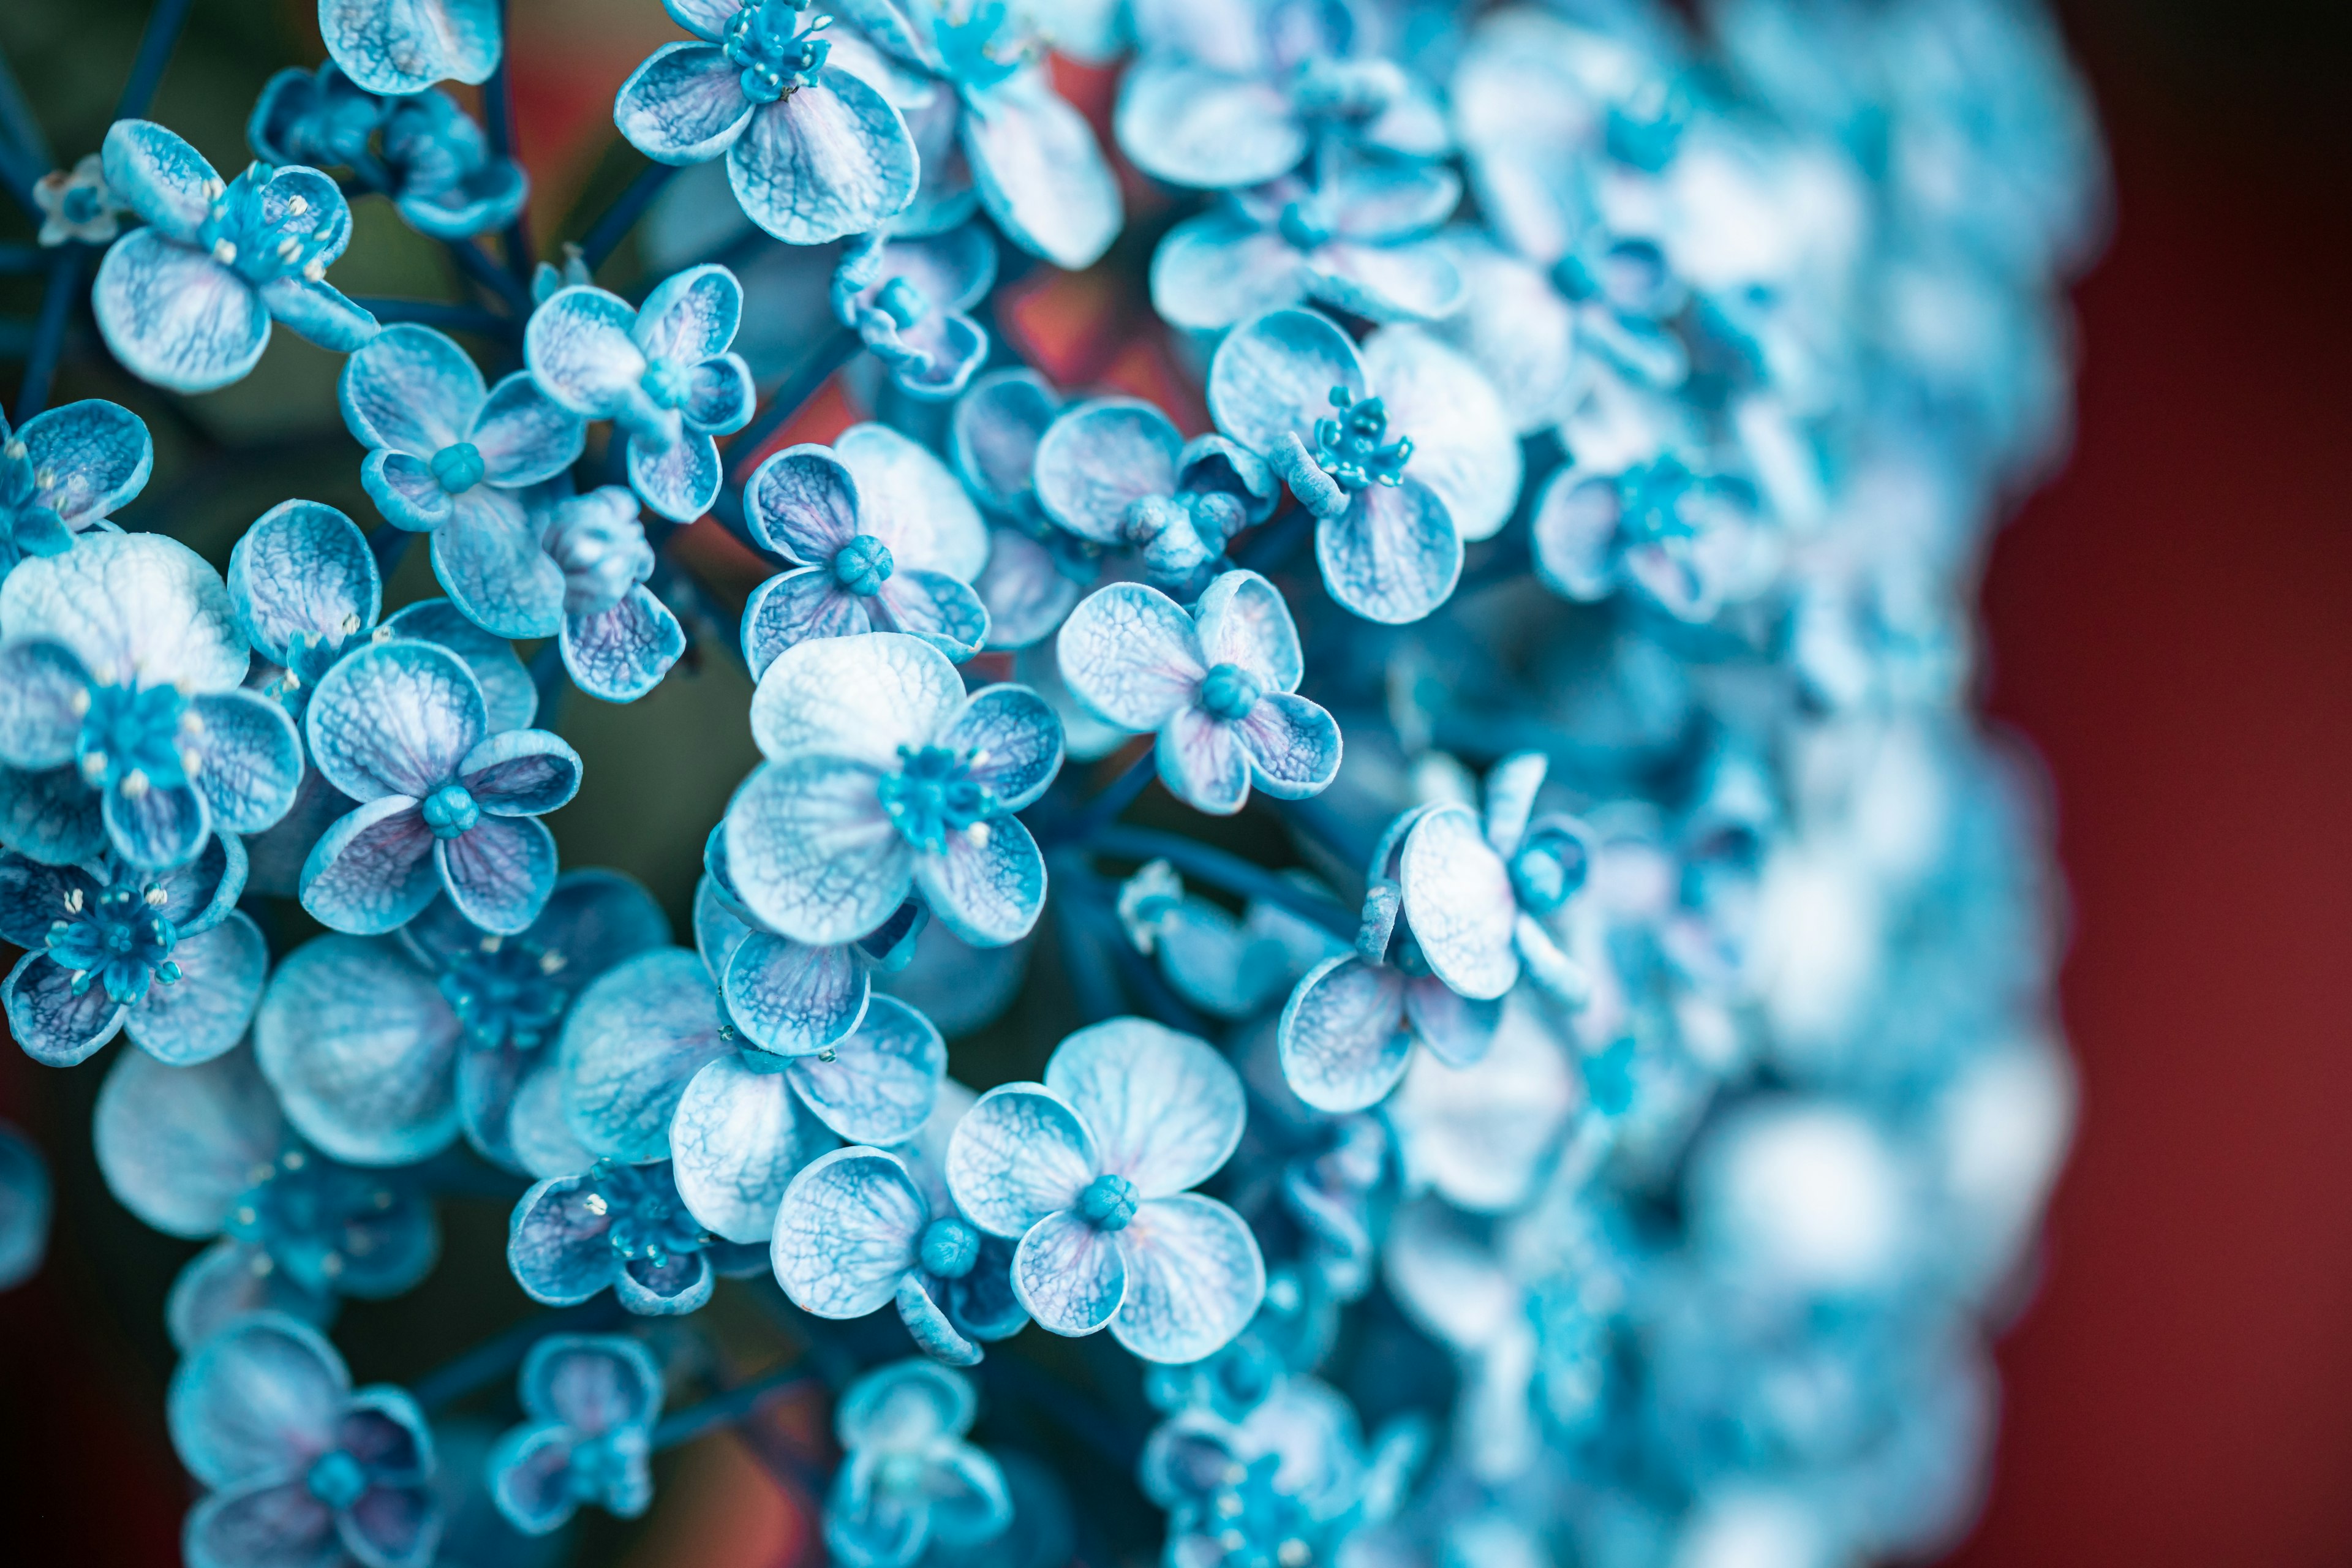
[1466, 447]
[850, 1226]
[159, 828]
[1457, 1030]
[175, 317]
[1194, 1280]
[54, 1027]
[882, 1081]
[252, 758]
[371, 870]
[802, 503]
[1100, 457]
[1273, 377]
[1130, 654]
[1219, 269]
[833, 159]
[689, 317]
[395, 718]
[1458, 899]
[1194, 127]
[933, 1331]
[394, 47]
[205, 1011]
[405, 492]
[178, 1145]
[1205, 762]
[229, 1280]
[811, 850]
[621, 654]
[1015, 742]
[736, 1139]
[684, 105]
[97, 455]
[680, 480]
[938, 608]
[795, 606]
[50, 816]
[1293, 745]
[558, 1242]
[1342, 1039]
[135, 608]
[521, 772]
[578, 348]
[303, 570]
[319, 312]
[1242, 620]
[500, 871]
[256, 1401]
[910, 501]
[511, 700]
[159, 176]
[1020, 1153]
[595, 1383]
[861, 696]
[358, 1044]
[1025, 590]
[792, 998]
[1165, 1109]
[412, 389]
[989, 886]
[1412, 282]
[993, 433]
[524, 436]
[43, 690]
[633, 1041]
[1040, 175]
[268, 1524]
[1392, 555]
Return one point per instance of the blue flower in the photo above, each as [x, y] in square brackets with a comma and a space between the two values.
[860, 1228]
[908, 1480]
[620, 1227]
[1090, 1171]
[617, 639]
[396, 47]
[1116, 471]
[1401, 452]
[304, 588]
[25, 1206]
[662, 371]
[120, 720]
[1029, 156]
[298, 1465]
[204, 1151]
[320, 118]
[589, 1402]
[1239, 92]
[813, 152]
[882, 778]
[77, 204]
[446, 805]
[1686, 542]
[445, 180]
[449, 456]
[1356, 238]
[886, 540]
[1219, 686]
[907, 299]
[167, 956]
[361, 1046]
[64, 471]
[186, 302]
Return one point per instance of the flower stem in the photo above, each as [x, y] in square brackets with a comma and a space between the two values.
[498, 115]
[1223, 870]
[606, 232]
[805, 382]
[49, 334]
[501, 1354]
[435, 313]
[156, 47]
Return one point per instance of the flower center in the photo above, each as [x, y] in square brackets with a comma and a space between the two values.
[312, 1216]
[903, 301]
[667, 384]
[862, 565]
[1546, 872]
[120, 939]
[1348, 444]
[508, 992]
[242, 231]
[1229, 692]
[1108, 1201]
[137, 738]
[1650, 500]
[934, 794]
[950, 1248]
[450, 811]
[777, 54]
[973, 53]
[648, 1222]
[336, 1480]
[1301, 230]
[458, 467]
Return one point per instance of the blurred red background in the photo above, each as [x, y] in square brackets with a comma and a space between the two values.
[2170, 623]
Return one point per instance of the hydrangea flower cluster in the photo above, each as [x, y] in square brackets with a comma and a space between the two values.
[1560, 1070]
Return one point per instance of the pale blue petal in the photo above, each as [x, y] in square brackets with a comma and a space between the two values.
[850, 1226]
[319, 312]
[1205, 762]
[912, 502]
[1242, 620]
[1457, 1030]
[559, 1245]
[1025, 590]
[834, 158]
[1194, 127]
[1464, 445]
[359, 1046]
[1342, 1038]
[1165, 1109]
[720, 922]
[159, 828]
[1458, 899]
[1020, 1153]
[905, 1407]
[1013, 741]
[531, 1480]
[175, 317]
[205, 1011]
[395, 717]
[271, 1520]
[855, 697]
[178, 1145]
[43, 690]
[537, 1133]
[371, 870]
[521, 772]
[405, 492]
[938, 608]
[680, 480]
[736, 1139]
[595, 1383]
[1218, 268]
[258, 1400]
[1416, 281]
[882, 1081]
[1273, 377]
[524, 436]
[633, 1041]
[1100, 457]
[252, 758]
[933, 1333]
[802, 503]
[1040, 175]
[1393, 555]
[1515, 327]
[795, 606]
[510, 697]
[621, 654]
[792, 998]
[1069, 1274]
[97, 455]
[1293, 746]
[578, 349]
[705, 19]
[489, 562]
[55, 1028]
[670, 1289]
[1575, 534]
[394, 47]
[303, 570]
[133, 607]
[989, 886]
[159, 176]
[1131, 655]
[1194, 1278]
[1511, 786]
[684, 105]
[500, 871]
[993, 434]
[50, 816]
[689, 317]
[230, 1279]
[811, 850]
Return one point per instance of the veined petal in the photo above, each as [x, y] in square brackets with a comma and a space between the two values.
[794, 607]
[689, 317]
[1219, 269]
[910, 501]
[811, 850]
[1098, 458]
[508, 694]
[1165, 1109]
[883, 1080]
[1131, 654]
[1020, 1153]
[1194, 1278]
[621, 654]
[405, 492]
[179, 1145]
[252, 760]
[1068, 1275]
[257, 1401]
[1293, 745]
[412, 389]
[684, 105]
[1194, 127]
[1040, 174]
[680, 480]
[1458, 899]
[791, 998]
[1342, 1039]
[205, 1011]
[500, 871]
[372, 869]
[833, 159]
[407, 46]
[1014, 743]
[159, 176]
[319, 312]
[174, 316]
[1025, 590]
[558, 1242]
[850, 1226]
[524, 436]
[1415, 281]
[56, 1026]
[1273, 377]
[303, 570]
[1465, 445]
[989, 886]
[358, 1044]
[938, 608]
[488, 561]
[802, 503]
[861, 696]
[50, 816]
[578, 348]
[98, 455]
[395, 717]
[43, 690]
[521, 772]
[158, 828]
[736, 1139]
[135, 608]
[1242, 620]
[719, 395]
[1392, 555]
[633, 1041]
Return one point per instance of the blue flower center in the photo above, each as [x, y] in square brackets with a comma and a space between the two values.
[600, 1467]
[1229, 692]
[667, 384]
[459, 467]
[903, 301]
[950, 1248]
[1650, 498]
[862, 565]
[934, 794]
[1547, 871]
[1347, 443]
[82, 204]
[309, 656]
[1302, 231]
[646, 1220]
[1108, 1201]
[450, 811]
[118, 939]
[313, 1217]
[337, 1479]
[243, 232]
[508, 993]
[777, 54]
[137, 738]
[973, 54]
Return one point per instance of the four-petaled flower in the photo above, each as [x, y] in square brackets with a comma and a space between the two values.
[882, 778]
[1090, 1171]
[616, 637]
[78, 204]
[621, 1227]
[813, 152]
[64, 471]
[590, 1401]
[186, 302]
[1218, 685]
[298, 1466]
[662, 370]
[908, 1480]
[446, 805]
[885, 538]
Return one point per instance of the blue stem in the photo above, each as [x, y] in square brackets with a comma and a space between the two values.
[1104, 807]
[49, 335]
[17, 121]
[156, 47]
[22, 258]
[1225, 870]
[606, 232]
[726, 1409]
[498, 115]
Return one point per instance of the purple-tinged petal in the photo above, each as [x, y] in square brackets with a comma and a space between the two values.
[689, 317]
[850, 1226]
[268, 1524]
[395, 718]
[1100, 457]
[680, 480]
[1393, 555]
[521, 772]
[1204, 761]
[175, 317]
[621, 654]
[882, 1081]
[795, 606]
[633, 1041]
[719, 395]
[792, 998]
[942, 610]
[595, 1383]
[1165, 1109]
[558, 1242]
[1194, 1280]
[1293, 746]
[524, 436]
[736, 1139]
[1040, 174]
[672, 1287]
[802, 503]
[1020, 1153]
[359, 1044]
[684, 105]
[54, 1027]
[1025, 590]
[258, 1401]
[371, 870]
[989, 886]
[500, 871]
[407, 47]
[412, 389]
[1013, 741]
[304, 571]
[1068, 1275]
[1243, 621]
[231, 1279]
[1131, 655]
[910, 501]
[578, 348]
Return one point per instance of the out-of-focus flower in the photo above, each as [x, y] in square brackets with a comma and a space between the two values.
[589, 1402]
[908, 1480]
